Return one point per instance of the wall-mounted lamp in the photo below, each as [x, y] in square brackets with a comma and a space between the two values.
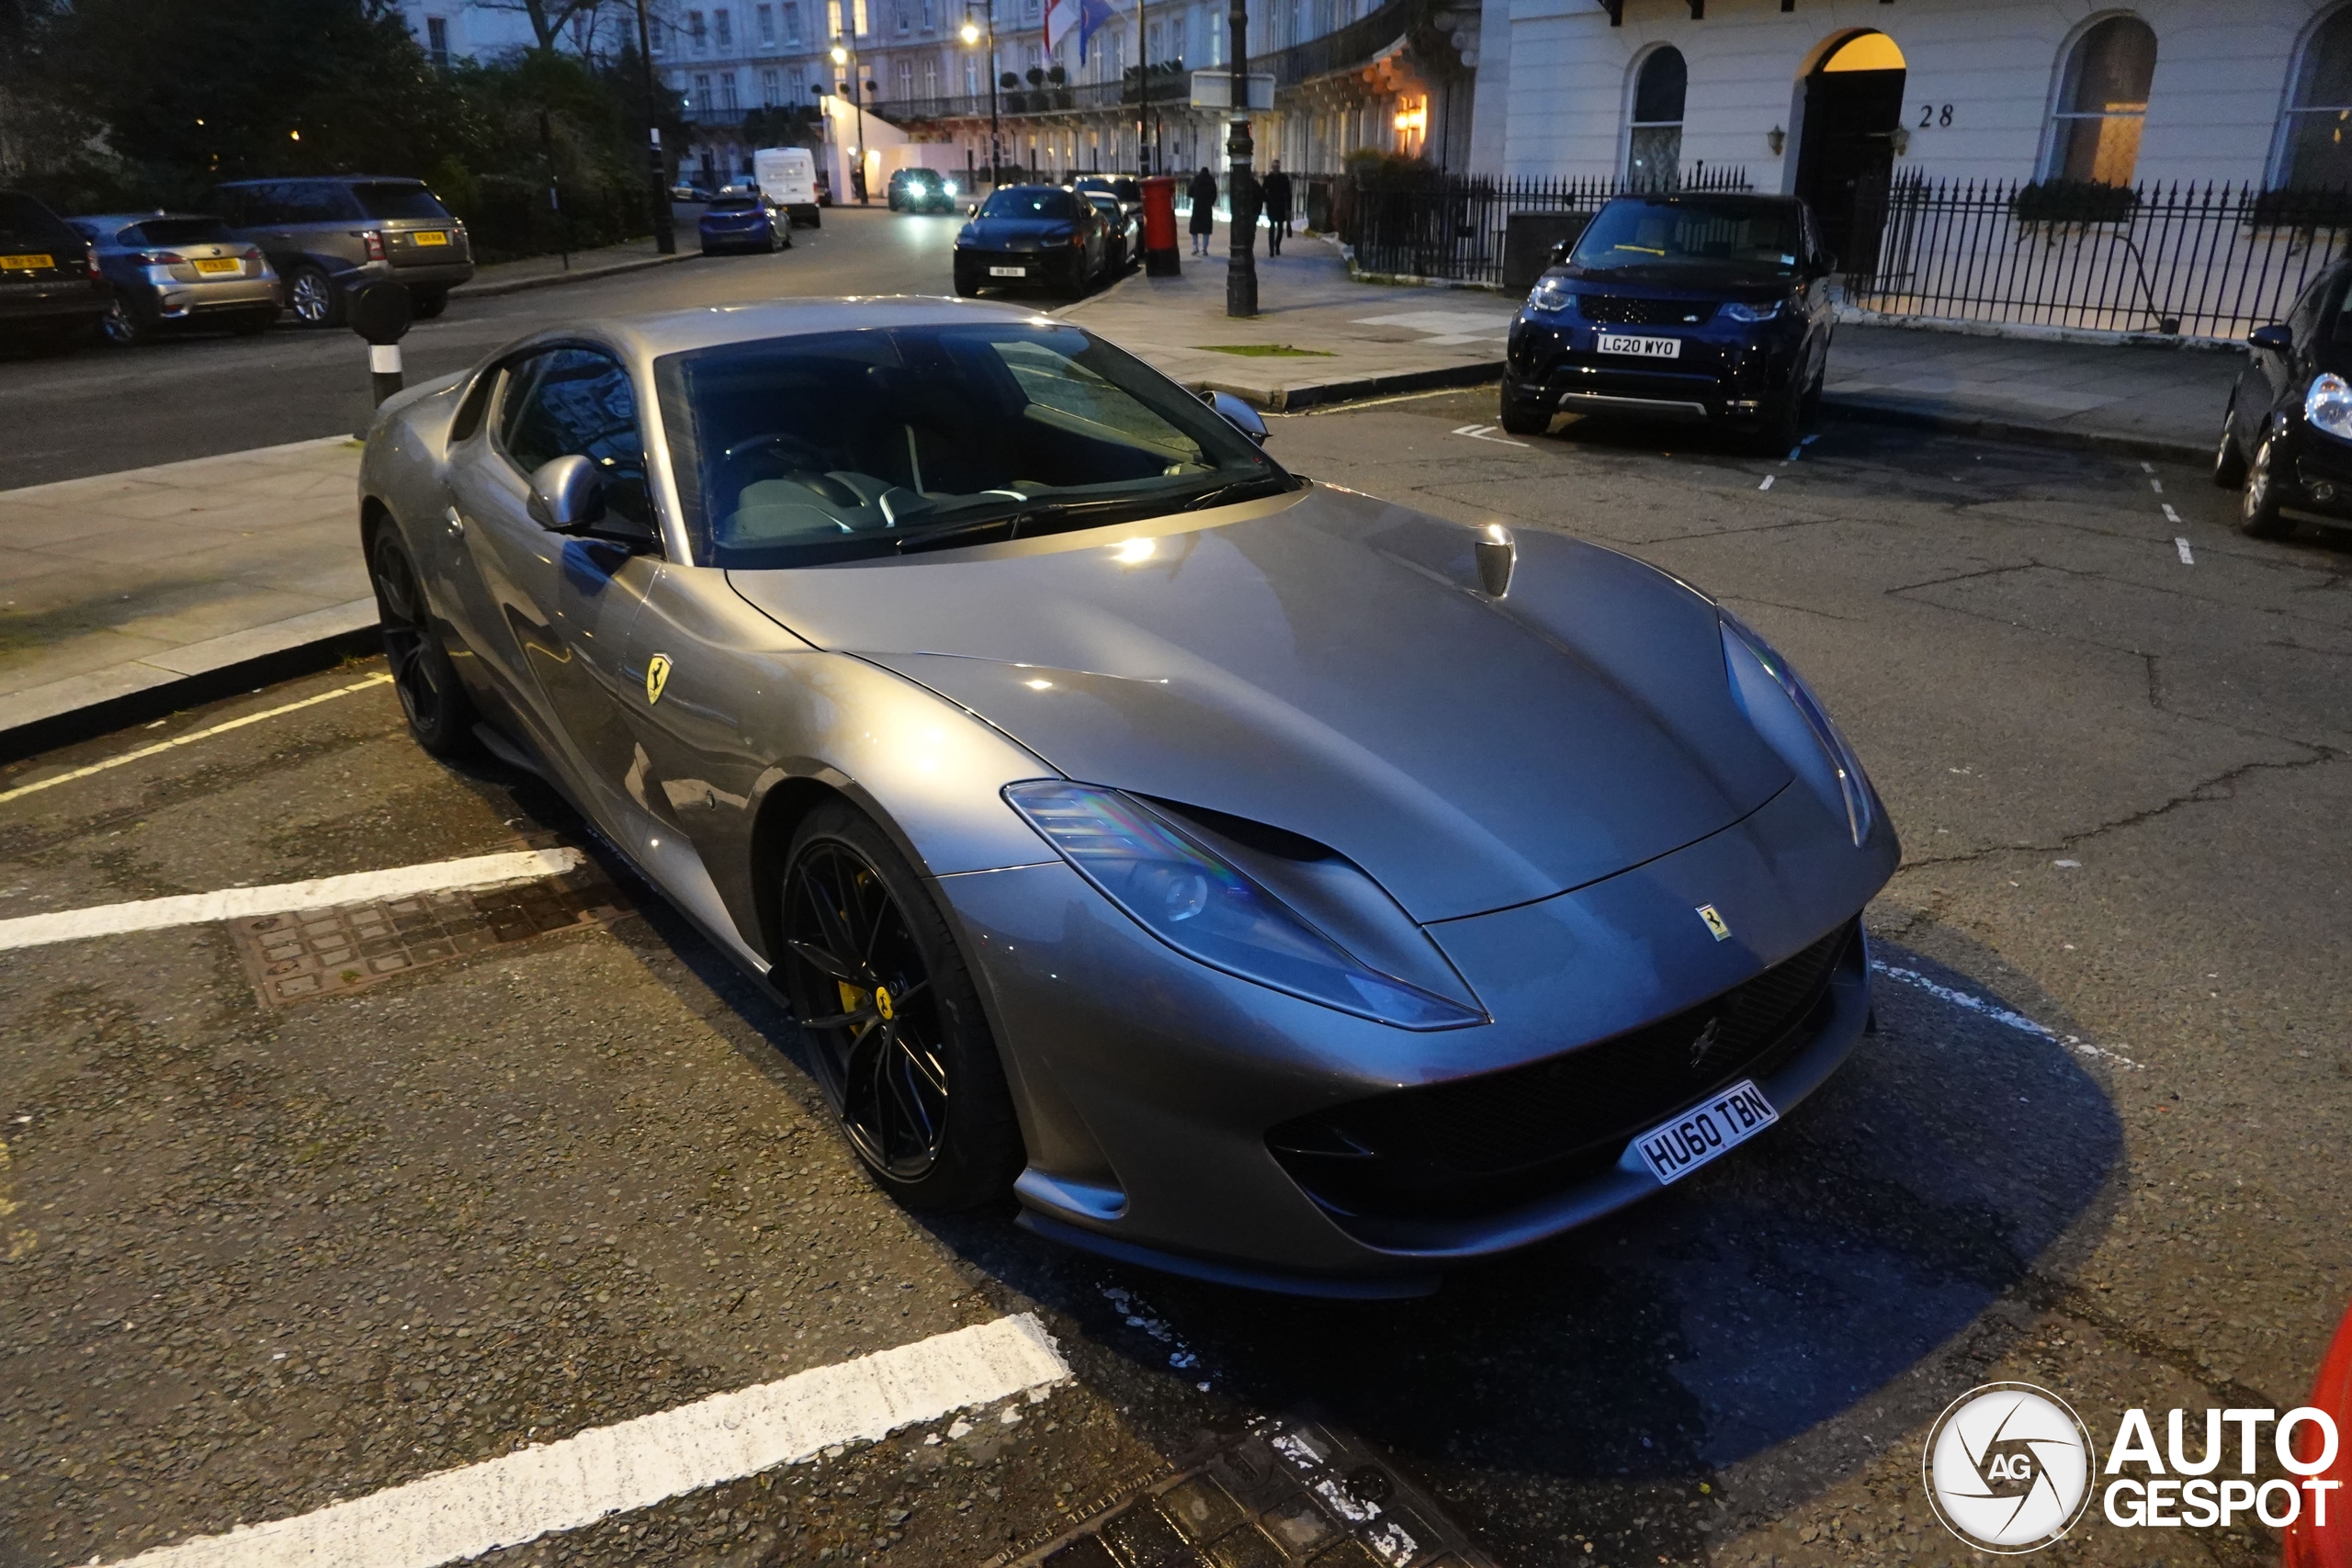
[1776, 139]
[1901, 140]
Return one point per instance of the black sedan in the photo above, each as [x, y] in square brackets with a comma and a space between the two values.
[1030, 236]
[51, 292]
[2287, 433]
[921, 190]
[1706, 308]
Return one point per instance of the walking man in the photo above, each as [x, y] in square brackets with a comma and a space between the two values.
[1203, 190]
[1277, 189]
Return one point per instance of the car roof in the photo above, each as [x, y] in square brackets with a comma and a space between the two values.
[329, 179]
[651, 335]
[1711, 197]
[125, 219]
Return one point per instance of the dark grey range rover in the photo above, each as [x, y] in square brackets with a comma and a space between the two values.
[327, 235]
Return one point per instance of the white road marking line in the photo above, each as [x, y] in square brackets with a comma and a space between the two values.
[2170, 516]
[562, 1486]
[1767, 484]
[1997, 1013]
[1479, 433]
[238, 903]
[2147, 468]
[2186, 559]
[2157, 485]
[205, 734]
[1796, 451]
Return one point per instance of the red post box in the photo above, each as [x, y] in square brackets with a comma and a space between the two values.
[1159, 259]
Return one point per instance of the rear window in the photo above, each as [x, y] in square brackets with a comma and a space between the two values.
[179, 232]
[732, 204]
[389, 199]
[22, 218]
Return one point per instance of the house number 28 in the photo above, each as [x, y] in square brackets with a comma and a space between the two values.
[1934, 114]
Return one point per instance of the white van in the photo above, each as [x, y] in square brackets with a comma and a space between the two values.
[788, 176]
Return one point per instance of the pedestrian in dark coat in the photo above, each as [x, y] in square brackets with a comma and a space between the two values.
[1202, 191]
[1277, 189]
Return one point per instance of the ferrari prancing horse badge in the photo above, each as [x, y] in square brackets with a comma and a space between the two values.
[657, 676]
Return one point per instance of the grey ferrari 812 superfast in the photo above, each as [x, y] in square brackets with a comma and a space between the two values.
[1252, 877]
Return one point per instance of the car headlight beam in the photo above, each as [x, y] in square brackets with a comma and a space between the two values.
[1757, 672]
[1191, 898]
[2328, 405]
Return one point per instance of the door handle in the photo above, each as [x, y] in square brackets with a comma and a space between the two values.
[456, 523]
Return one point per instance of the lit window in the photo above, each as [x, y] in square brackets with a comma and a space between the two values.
[2103, 102]
[1654, 145]
[2316, 153]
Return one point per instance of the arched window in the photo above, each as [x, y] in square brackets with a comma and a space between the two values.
[1654, 150]
[2317, 154]
[2102, 102]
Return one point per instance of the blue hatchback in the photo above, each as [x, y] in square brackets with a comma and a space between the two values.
[1697, 307]
[739, 219]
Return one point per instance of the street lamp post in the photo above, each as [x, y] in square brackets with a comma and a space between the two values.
[857, 95]
[665, 234]
[1241, 270]
[995, 140]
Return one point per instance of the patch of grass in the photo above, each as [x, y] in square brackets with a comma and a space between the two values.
[1266, 350]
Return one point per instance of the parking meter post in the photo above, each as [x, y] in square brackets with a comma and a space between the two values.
[381, 314]
[384, 369]
[1159, 253]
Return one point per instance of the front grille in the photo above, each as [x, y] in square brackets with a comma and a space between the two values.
[1631, 310]
[1480, 1144]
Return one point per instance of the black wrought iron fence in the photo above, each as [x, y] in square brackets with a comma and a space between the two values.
[1454, 228]
[2198, 261]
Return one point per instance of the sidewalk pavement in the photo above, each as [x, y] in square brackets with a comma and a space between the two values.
[167, 585]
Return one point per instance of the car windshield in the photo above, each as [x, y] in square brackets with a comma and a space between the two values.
[1127, 190]
[183, 232]
[733, 203]
[1031, 201]
[22, 218]
[399, 198]
[798, 451]
[1104, 201]
[1683, 232]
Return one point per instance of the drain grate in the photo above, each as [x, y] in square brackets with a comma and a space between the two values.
[1286, 1493]
[297, 957]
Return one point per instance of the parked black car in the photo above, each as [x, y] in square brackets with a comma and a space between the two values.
[2287, 433]
[1697, 307]
[327, 236]
[739, 219]
[1123, 230]
[1032, 235]
[165, 270]
[51, 292]
[1129, 192]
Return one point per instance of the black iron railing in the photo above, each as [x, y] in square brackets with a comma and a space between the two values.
[1453, 228]
[2196, 261]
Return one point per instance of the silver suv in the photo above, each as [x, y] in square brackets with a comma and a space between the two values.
[328, 235]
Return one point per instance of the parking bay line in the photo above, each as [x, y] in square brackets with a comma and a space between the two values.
[553, 1487]
[240, 902]
[205, 734]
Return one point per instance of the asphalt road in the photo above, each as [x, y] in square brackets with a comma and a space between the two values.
[105, 410]
[260, 1256]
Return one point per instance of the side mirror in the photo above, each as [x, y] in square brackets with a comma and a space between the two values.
[1560, 251]
[2275, 337]
[1241, 415]
[567, 494]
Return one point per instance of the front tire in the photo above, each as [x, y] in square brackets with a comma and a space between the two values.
[440, 714]
[892, 1016]
[2258, 515]
[1524, 419]
[122, 324]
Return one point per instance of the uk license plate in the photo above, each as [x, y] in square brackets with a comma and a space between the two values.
[1008, 272]
[431, 237]
[25, 263]
[216, 266]
[1640, 347]
[1680, 1146]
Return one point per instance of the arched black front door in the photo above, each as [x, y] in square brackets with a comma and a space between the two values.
[1853, 103]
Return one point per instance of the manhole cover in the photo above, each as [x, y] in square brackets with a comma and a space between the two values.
[308, 954]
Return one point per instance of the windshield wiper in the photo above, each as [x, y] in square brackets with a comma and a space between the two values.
[1239, 490]
[1023, 522]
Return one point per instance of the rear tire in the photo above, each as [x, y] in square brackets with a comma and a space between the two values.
[311, 294]
[892, 1018]
[426, 303]
[2229, 463]
[439, 713]
[2259, 516]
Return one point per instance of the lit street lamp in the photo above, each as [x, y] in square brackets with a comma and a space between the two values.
[972, 36]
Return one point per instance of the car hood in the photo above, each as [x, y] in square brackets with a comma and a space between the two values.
[1328, 667]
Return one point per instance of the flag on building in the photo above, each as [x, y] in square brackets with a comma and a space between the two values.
[1084, 18]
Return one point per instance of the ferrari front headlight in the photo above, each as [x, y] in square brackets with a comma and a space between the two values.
[2328, 405]
[1191, 898]
[1772, 695]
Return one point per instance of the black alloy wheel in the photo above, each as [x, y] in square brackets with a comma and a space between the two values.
[439, 714]
[2229, 463]
[2258, 515]
[894, 1023]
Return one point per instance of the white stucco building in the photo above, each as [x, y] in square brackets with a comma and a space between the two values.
[1802, 92]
